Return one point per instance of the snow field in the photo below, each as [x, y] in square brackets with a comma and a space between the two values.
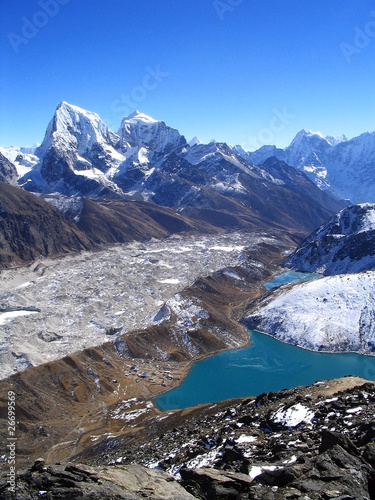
[335, 313]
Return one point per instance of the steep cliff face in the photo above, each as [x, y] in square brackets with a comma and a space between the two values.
[31, 228]
[8, 172]
[344, 244]
[77, 151]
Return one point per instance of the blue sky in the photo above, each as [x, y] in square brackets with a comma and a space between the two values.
[242, 71]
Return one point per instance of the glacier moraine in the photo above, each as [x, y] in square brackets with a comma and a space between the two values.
[57, 306]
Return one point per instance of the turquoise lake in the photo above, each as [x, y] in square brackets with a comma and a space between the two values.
[266, 365]
[291, 277]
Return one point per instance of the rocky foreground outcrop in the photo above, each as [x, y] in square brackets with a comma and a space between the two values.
[69, 481]
[315, 442]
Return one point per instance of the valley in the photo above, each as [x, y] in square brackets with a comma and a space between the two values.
[90, 298]
[187, 250]
[99, 393]
[126, 257]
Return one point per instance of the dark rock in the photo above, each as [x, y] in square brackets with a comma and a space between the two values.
[120, 482]
[92, 476]
[212, 483]
[336, 469]
[369, 454]
[39, 464]
[368, 431]
[64, 494]
[280, 477]
[8, 172]
[331, 439]
[30, 227]
[113, 331]
[231, 454]
[49, 336]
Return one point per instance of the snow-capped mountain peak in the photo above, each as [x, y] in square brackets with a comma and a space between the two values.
[308, 139]
[336, 140]
[309, 132]
[75, 127]
[329, 138]
[138, 115]
[344, 244]
[195, 140]
[305, 137]
[77, 145]
[140, 130]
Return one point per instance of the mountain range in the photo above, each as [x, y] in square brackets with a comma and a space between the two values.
[81, 155]
[343, 167]
[150, 161]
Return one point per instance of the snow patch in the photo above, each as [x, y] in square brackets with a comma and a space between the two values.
[293, 416]
[9, 316]
[246, 439]
[256, 470]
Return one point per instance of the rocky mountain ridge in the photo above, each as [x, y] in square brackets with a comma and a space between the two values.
[344, 244]
[334, 313]
[313, 442]
[8, 172]
[147, 160]
[31, 228]
[340, 165]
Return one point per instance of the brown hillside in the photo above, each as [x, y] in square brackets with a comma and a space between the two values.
[30, 228]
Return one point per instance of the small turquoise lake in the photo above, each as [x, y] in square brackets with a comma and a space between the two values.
[266, 365]
[291, 277]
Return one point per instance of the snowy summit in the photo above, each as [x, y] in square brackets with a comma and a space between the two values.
[345, 244]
